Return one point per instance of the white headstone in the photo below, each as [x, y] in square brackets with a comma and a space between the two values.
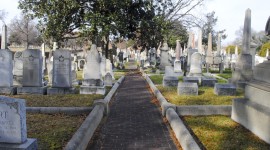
[6, 77]
[103, 66]
[92, 66]
[12, 120]
[196, 63]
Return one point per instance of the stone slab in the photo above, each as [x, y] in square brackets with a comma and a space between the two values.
[32, 90]
[170, 81]
[252, 116]
[6, 67]
[93, 90]
[191, 79]
[207, 81]
[30, 144]
[8, 90]
[224, 89]
[12, 120]
[262, 67]
[52, 91]
[187, 88]
[169, 71]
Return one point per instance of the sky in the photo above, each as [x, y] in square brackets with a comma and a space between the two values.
[230, 13]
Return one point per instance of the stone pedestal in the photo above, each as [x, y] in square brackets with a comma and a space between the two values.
[8, 90]
[30, 144]
[224, 89]
[243, 71]
[32, 90]
[52, 91]
[187, 88]
[170, 81]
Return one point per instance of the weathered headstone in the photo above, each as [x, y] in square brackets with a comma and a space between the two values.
[224, 89]
[32, 73]
[164, 57]
[187, 88]
[13, 130]
[92, 83]
[62, 75]
[208, 81]
[103, 66]
[108, 79]
[170, 81]
[196, 65]
[6, 78]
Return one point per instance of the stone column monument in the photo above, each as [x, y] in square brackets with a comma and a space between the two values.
[4, 37]
[164, 57]
[209, 54]
[177, 62]
[243, 69]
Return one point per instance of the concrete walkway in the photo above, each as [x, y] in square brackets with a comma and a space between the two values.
[134, 121]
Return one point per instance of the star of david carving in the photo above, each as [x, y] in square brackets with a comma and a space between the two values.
[31, 58]
[61, 58]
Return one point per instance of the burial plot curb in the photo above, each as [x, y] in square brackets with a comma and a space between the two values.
[172, 113]
[56, 110]
[84, 134]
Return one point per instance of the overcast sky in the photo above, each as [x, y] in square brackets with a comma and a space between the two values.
[230, 13]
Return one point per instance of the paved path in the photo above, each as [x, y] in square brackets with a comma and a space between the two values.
[134, 121]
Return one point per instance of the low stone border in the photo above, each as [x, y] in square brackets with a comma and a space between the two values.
[213, 75]
[84, 134]
[181, 132]
[204, 110]
[55, 110]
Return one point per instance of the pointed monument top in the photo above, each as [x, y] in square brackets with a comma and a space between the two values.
[247, 33]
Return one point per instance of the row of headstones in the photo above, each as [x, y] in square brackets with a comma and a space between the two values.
[32, 74]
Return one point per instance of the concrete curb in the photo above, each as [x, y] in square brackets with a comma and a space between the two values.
[84, 134]
[55, 110]
[113, 89]
[204, 110]
[181, 132]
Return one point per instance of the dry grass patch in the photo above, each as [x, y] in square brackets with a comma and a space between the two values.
[220, 132]
[206, 97]
[52, 131]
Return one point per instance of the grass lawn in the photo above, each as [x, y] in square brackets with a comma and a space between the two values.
[225, 75]
[52, 131]
[220, 132]
[68, 100]
[119, 74]
[206, 97]
[79, 75]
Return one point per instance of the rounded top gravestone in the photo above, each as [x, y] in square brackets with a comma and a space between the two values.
[196, 63]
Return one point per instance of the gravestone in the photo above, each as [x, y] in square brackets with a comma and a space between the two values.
[178, 53]
[187, 88]
[208, 81]
[243, 69]
[195, 65]
[62, 75]
[192, 80]
[13, 130]
[170, 81]
[32, 73]
[92, 83]
[108, 79]
[189, 54]
[18, 69]
[108, 68]
[164, 57]
[6, 77]
[200, 46]
[225, 89]
[153, 55]
[103, 66]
